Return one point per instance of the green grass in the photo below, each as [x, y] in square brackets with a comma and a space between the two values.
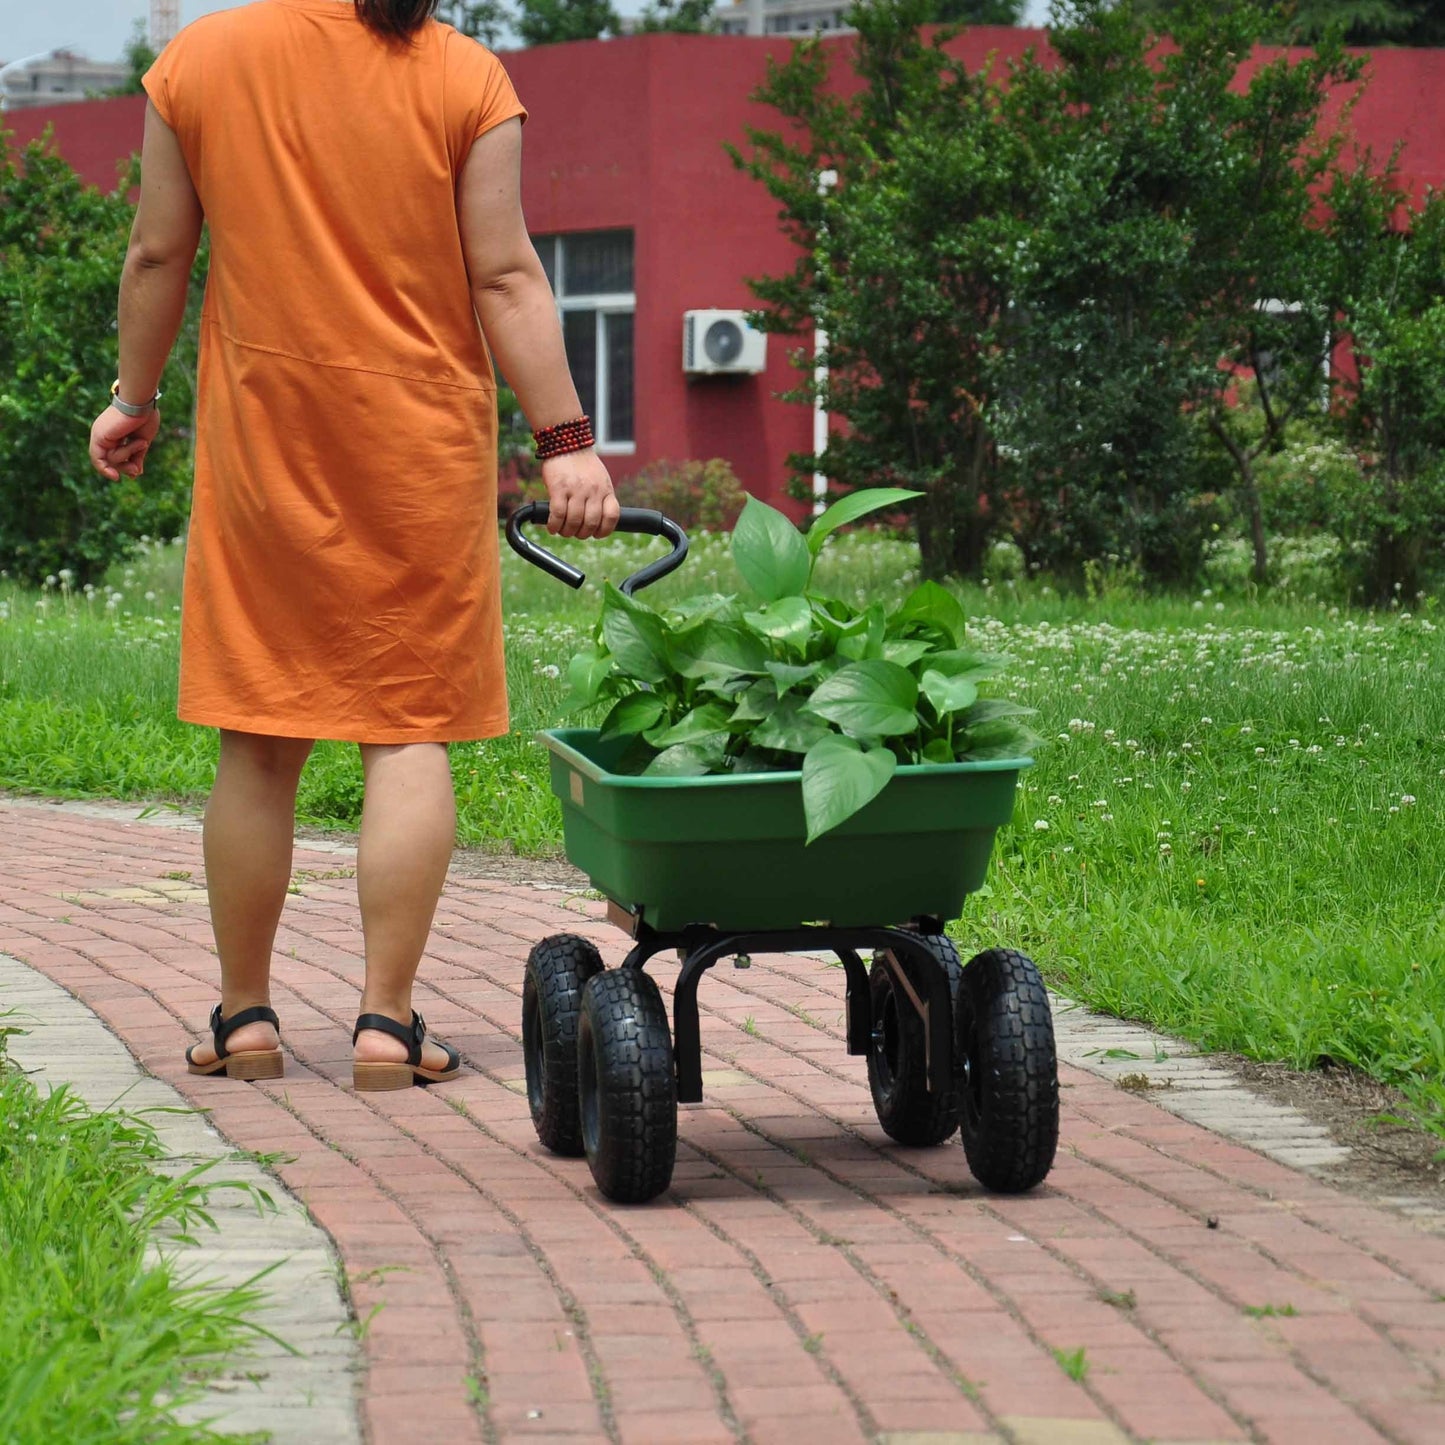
[1219, 839]
[103, 1341]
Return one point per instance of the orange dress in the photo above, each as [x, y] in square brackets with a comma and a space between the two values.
[342, 572]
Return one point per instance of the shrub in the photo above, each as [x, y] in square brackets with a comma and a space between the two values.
[703, 495]
[62, 244]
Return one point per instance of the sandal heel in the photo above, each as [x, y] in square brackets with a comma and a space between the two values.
[374, 1078]
[261, 1064]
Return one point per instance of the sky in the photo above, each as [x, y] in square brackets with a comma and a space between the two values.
[100, 28]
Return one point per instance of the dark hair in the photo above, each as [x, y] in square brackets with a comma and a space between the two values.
[395, 19]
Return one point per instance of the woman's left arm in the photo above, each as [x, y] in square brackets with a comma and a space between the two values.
[163, 241]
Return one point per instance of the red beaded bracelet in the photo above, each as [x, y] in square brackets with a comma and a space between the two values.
[566, 436]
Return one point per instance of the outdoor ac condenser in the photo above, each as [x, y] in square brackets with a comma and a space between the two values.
[721, 343]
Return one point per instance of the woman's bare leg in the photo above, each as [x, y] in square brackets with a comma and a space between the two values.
[249, 830]
[408, 828]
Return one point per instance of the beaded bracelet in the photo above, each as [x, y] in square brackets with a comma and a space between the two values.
[566, 436]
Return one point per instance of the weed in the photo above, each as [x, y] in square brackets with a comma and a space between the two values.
[1121, 1299]
[1269, 1312]
[1074, 1363]
[813, 1343]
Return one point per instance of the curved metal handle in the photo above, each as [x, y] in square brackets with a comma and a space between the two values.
[631, 519]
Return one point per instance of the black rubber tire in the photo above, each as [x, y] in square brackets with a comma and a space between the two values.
[557, 971]
[1004, 1035]
[897, 1072]
[626, 1086]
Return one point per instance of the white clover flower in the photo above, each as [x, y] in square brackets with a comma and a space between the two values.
[1407, 800]
[1206, 722]
[1166, 850]
[1394, 810]
[1054, 800]
[1041, 825]
[1109, 735]
[1185, 786]
[1106, 817]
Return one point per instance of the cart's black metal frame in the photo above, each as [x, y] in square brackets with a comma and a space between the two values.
[919, 975]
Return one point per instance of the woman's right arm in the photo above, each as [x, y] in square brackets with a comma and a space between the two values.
[519, 319]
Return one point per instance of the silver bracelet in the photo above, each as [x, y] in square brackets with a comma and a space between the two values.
[127, 407]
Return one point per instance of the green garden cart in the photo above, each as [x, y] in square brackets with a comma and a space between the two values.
[716, 867]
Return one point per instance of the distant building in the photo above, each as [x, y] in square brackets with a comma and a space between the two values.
[782, 17]
[57, 78]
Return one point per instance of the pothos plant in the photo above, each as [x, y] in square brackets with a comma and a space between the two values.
[795, 679]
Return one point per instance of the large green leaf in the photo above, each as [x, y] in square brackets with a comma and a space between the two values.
[988, 709]
[686, 760]
[770, 552]
[850, 508]
[586, 673]
[757, 701]
[788, 621]
[788, 675]
[966, 662]
[713, 649]
[789, 728]
[872, 699]
[710, 604]
[933, 606]
[839, 778]
[1002, 737]
[632, 714]
[863, 636]
[948, 694]
[906, 652]
[702, 723]
[635, 636]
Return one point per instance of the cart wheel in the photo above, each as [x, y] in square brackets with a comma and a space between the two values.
[1004, 1034]
[626, 1085]
[897, 1060]
[557, 970]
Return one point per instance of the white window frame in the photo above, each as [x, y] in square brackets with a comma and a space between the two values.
[604, 304]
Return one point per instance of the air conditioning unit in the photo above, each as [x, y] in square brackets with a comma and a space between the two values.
[721, 343]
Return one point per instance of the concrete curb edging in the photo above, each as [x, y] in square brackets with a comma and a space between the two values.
[301, 1399]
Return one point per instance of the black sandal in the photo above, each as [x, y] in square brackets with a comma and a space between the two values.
[245, 1063]
[372, 1076]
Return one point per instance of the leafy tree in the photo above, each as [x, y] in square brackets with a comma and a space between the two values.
[139, 57]
[62, 244]
[1361, 22]
[683, 17]
[978, 12]
[484, 20]
[1389, 294]
[549, 22]
[902, 262]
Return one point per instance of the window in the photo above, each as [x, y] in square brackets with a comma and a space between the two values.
[592, 278]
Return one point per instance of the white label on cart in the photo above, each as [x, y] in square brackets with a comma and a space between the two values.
[577, 789]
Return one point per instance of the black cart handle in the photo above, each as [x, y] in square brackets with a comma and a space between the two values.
[630, 519]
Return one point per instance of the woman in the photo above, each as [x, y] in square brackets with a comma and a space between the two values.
[358, 165]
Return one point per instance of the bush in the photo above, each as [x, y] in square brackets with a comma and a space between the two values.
[62, 244]
[703, 495]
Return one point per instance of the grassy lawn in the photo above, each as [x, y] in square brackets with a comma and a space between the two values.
[102, 1340]
[1234, 833]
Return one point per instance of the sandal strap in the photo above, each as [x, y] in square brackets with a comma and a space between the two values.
[412, 1037]
[222, 1029]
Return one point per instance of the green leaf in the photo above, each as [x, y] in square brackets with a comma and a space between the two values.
[770, 552]
[965, 662]
[585, 675]
[839, 778]
[707, 721]
[686, 760]
[933, 606]
[788, 621]
[948, 694]
[790, 728]
[786, 675]
[873, 699]
[850, 508]
[710, 605]
[757, 702]
[1003, 737]
[632, 714]
[906, 652]
[987, 709]
[635, 636]
[863, 636]
[714, 649]
[938, 751]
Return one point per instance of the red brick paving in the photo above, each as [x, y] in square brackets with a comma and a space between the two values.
[805, 1280]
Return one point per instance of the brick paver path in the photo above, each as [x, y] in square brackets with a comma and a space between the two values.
[805, 1280]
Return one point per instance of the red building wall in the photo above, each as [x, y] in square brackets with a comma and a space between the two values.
[629, 133]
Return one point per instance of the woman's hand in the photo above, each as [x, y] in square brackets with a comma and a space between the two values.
[580, 493]
[119, 443]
